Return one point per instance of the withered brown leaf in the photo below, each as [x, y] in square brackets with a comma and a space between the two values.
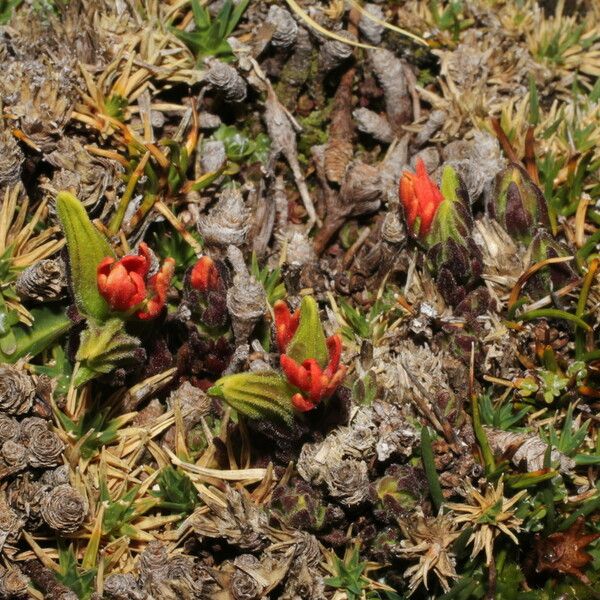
[563, 551]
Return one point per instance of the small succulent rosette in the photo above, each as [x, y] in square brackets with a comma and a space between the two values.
[310, 369]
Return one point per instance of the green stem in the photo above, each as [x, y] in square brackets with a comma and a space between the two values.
[588, 247]
[435, 489]
[589, 356]
[589, 507]
[513, 309]
[553, 313]
[115, 222]
[581, 302]
[548, 494]
[594, 216]
[486, 451]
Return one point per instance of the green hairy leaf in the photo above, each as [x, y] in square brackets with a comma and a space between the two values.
[87, 247]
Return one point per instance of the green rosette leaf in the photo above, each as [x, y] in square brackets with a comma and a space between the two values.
[257, 395]
[49, 323]
[102, 348]
[87, 247]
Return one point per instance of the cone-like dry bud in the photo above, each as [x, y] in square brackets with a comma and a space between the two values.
[43, 281]
[193, 402]
[14, 455]
[10, 523]
[55, 477]
[390, 72]
[122, 586]
[333, 52]
[285, 28]
[369, 28]
[243, 585]
[86, 176]
[392, 230]
[44, 447]
[300, 250]
[238, 520]
[214, 156]
[25, 497]
[13, 584]
[9, 428]
[17, 391]
[348, 480]
[227, 222]
[227, 80]
[11, 159]
[361, 188]
[246, 298]
[518, 204]
[373, 124]
[153, 562]
[64, 509]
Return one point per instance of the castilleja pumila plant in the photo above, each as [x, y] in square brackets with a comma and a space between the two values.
[441, 219]
[108, 291]
[309, 361]
[421, 198]
[310, 365]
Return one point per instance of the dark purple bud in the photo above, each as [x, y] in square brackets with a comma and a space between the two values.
[517, 203]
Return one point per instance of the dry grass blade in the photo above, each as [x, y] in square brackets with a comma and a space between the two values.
[304, 16]
[385, 24]
[219, 474]
[514, 294]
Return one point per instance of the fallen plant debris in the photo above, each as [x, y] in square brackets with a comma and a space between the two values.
[299, 300]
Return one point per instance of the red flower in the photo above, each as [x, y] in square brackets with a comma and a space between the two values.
[122, 283]
[158, 286]
[315, 383]
[421, 198]
[286, 324]
[205, 275]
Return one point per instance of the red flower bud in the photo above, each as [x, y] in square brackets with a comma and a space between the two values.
[421, 198]
[158, 286]
[286, 324]
[314, 382]
[121, 283]
[205, 276]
